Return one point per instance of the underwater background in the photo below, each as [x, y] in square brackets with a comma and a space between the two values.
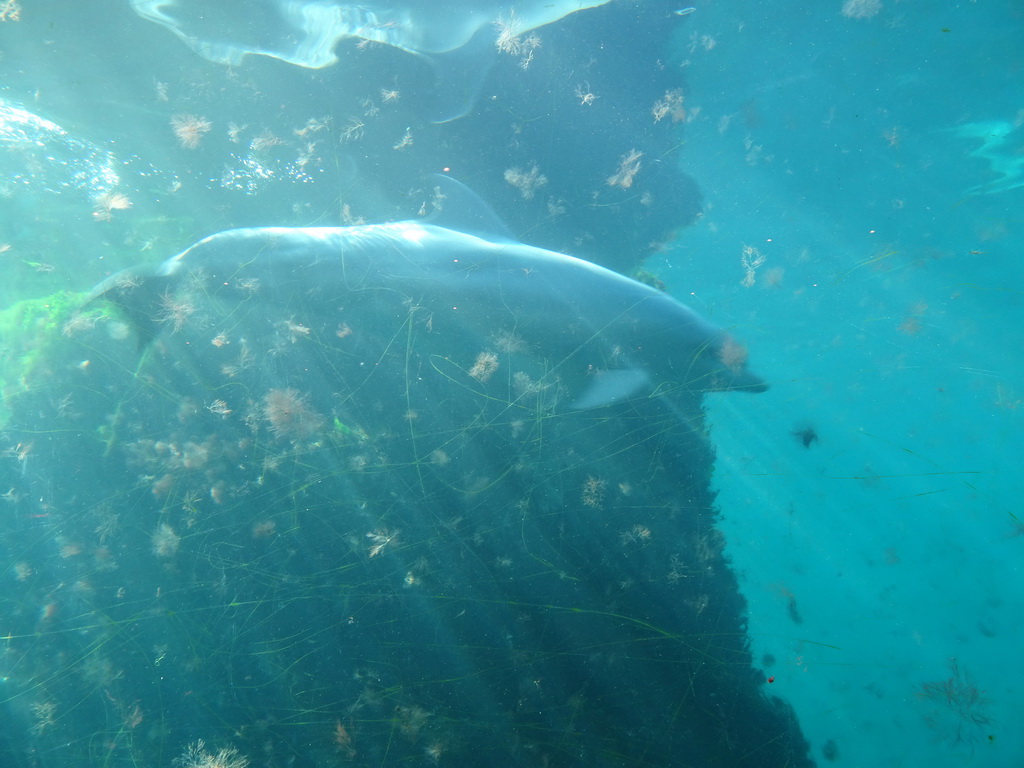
[840, 186]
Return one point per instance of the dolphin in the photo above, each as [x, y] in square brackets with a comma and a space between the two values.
[610, 337]
[306, 32]
[455, 36]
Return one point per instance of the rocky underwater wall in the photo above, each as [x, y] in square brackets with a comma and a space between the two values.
[311, 533]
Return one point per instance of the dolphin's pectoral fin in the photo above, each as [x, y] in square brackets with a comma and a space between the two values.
[609, 387]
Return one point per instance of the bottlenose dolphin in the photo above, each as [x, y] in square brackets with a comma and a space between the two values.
[307, 32]
[609, 338]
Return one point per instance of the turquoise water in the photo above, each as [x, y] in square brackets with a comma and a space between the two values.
[860, 178]
[884, 182]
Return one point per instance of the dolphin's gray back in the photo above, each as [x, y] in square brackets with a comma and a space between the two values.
[465, 284]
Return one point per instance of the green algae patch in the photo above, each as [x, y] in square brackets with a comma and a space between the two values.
[29, 329]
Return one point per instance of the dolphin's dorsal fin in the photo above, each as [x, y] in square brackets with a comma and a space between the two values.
[462, 210]
[459, 75]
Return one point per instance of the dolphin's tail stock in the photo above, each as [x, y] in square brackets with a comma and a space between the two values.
[138, 292]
